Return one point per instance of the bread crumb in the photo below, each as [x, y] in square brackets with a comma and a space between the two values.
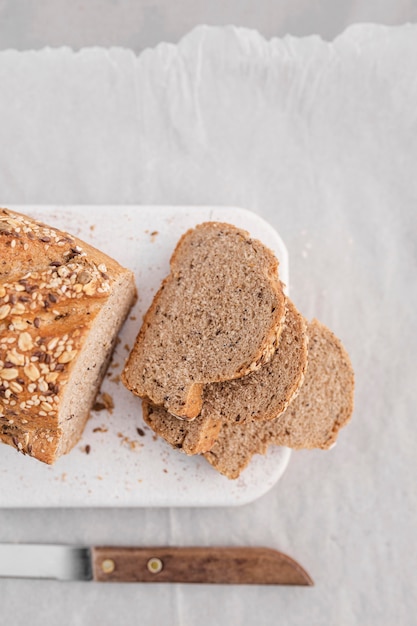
[132, 444]
[98, 406]
[108, 401]
[100, 429]
[154, 235]
[104, 401]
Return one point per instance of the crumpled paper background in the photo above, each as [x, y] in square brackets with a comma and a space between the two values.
[321, 140]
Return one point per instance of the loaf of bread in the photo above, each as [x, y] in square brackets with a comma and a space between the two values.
[62, 303]
[313, 419]
[261, 395]
[217, 316]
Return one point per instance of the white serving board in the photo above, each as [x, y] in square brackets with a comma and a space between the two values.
[124, 468]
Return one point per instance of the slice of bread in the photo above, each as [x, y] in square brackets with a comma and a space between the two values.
[62, 303]
[266, 393]
[217, 316]
[261, 395]
[190, 436]
[323, 406]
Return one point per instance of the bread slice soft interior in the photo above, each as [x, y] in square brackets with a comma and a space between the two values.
[323, 406]
[91, 365]
[217, 316]
[265, 393]
[261, 395]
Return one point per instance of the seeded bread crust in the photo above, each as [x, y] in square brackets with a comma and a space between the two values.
[217, 316]
[314, 418]
[62, 303]
[261, 395]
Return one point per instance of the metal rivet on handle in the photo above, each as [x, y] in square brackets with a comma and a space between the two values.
[108, 566]
[155, 565]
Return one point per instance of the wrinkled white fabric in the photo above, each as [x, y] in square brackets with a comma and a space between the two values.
[321, 140]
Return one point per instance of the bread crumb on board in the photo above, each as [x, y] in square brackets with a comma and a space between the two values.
[132, 444]
[104, 401]
[152, 234]
[114, 379]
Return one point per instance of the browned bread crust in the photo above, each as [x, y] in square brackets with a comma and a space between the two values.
[217, 316]
[62, 303]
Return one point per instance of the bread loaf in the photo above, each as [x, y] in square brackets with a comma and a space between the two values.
[313, 419]
[62, 303]
[216, 317]
[261, 395]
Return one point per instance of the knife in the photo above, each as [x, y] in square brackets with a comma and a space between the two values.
[221, 565]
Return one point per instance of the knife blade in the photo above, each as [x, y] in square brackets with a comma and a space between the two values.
[214, 565]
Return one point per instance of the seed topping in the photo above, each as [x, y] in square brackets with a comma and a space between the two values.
[34, 365]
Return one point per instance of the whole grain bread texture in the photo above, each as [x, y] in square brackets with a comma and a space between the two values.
[62, 303]
[266, 393]
[190, 436]
[261, 395]
[217, 316]
[323, 406]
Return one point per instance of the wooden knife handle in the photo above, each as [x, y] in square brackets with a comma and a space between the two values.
[259, 566]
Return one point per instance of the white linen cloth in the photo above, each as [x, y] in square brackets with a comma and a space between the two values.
[321, 140]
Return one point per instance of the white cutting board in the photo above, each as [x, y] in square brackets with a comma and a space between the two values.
[122, 467]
